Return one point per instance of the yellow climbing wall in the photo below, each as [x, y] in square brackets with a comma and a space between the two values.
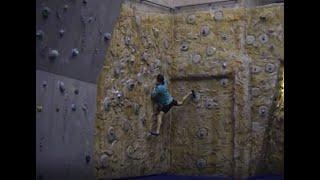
[231, 57]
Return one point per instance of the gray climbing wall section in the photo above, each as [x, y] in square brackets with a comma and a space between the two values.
[65, 127]
[72, 36]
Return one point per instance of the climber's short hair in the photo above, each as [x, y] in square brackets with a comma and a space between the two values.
[160, 78]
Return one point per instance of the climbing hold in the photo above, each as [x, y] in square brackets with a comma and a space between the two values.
[224, 82]
[263, 38]
[130, 84]
[39, 108]
[126, 126]
[263, 111]
[165, 43]
[73, 107]
[65, 7]
[76, 91]
[57, 109]
[263, 18]
[202, 133]
[127, 40]
[53, 54]
[196, 58]
[61, 32]
[218, 15]
[201, 163]
[45, 12]
[106, 104]
[270, 68]
[210, 51]
[75, 52]
[136, 108]
[138, 20]
[84, 2]
[139, 78]
[224, 65]
[107, 36]
[157, 63]
[191, 19]
[184, 46]
[130, 151]
[144, 56]
[44, 84]
[255, 91]
[205, 30]
[210, 103]
[131, 59]
[88, 159]
[224, 36]
[250, 39]
[111, 135]
[255, 69]
[104, 161]
[40, 34]
[84, 107]
[155, 32]
[61, 86]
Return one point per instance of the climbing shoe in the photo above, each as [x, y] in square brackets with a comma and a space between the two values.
[193, 94]
[154, 134]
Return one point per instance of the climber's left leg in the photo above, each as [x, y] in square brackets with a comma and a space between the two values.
[180, 103]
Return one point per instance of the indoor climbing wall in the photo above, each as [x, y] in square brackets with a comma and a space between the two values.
[71, 42]
[232, 57]
[264, 45]
[138, 52]
[65, 127]
[202, 129]
[207, 50]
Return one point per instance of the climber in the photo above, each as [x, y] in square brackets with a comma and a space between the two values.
[164, 100]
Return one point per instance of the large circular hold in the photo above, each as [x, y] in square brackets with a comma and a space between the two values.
[270, 68]
[210, 51]
[202, 133]
[196, 58]
[104, 161]
[75, 52]
[210, 103]
[263, 111]
[224, 82]
[191, 19]
[107, 36]
[53, 54]
[184, 47]
[201, 163]
[250, 39]
[111, 135]
[263, 38]
[255, 91]
[45, 12]
[218, 15]
[205, 30]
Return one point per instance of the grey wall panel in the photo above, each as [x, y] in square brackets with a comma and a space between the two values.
[64, 138]
[84, 26]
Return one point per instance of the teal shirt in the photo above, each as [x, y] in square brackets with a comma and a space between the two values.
[161, 94]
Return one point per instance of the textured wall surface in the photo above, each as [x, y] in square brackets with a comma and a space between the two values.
[124, 108]
[232, 57]
[65, 127]
[84, 26]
